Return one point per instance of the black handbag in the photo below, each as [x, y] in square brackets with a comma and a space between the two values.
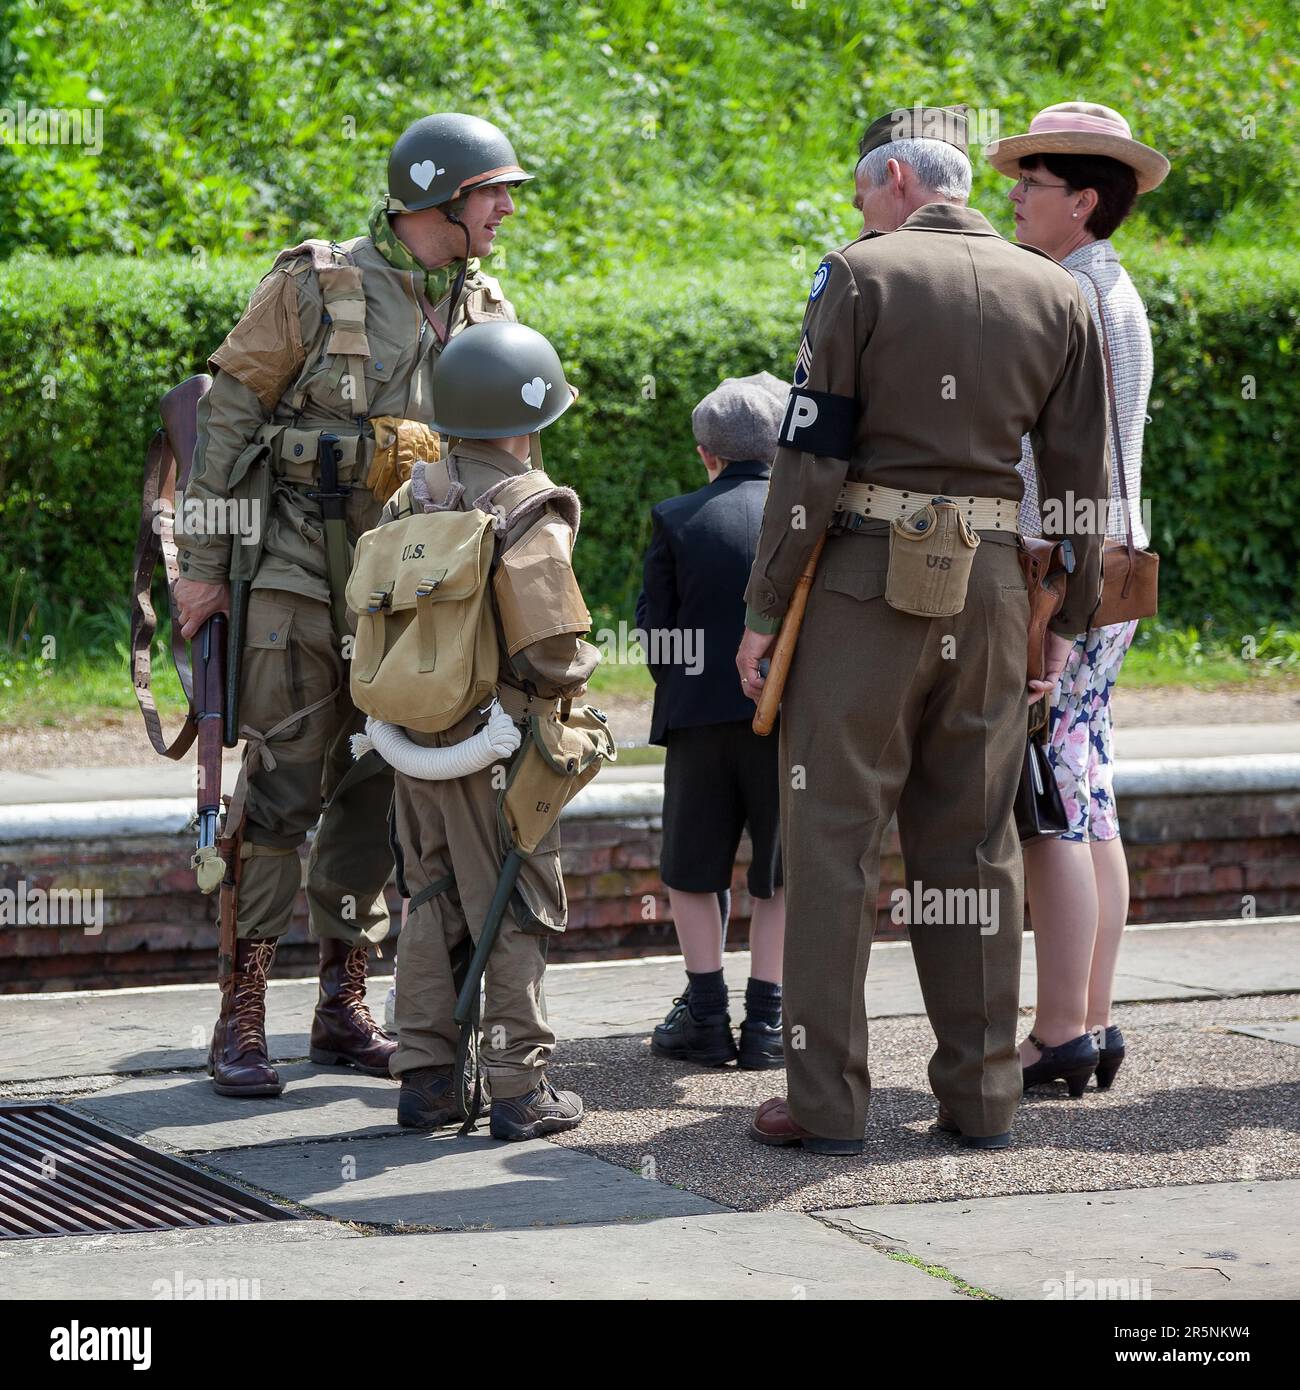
[1040, 812]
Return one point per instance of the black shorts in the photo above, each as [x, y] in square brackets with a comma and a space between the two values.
[718, 780]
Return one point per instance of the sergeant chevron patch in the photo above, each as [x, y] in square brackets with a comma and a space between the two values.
[802, 363]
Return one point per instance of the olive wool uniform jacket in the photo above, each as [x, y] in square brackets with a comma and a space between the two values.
[927, 353]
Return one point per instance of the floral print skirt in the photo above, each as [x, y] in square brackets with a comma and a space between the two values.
[1079, 744]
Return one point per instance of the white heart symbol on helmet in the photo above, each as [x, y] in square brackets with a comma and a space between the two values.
[425, 172]
[534, 392]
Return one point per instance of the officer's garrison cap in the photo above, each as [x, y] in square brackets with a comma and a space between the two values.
[946, 123]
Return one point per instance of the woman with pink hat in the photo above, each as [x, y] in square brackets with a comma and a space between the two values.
[1078, 173]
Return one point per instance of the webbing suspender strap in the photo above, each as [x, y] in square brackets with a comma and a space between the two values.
[343, 322]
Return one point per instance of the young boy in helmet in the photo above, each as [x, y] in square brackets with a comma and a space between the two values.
[495, 387]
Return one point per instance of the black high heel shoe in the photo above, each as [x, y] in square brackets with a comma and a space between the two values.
[1072, 1062]
[1110, 1055]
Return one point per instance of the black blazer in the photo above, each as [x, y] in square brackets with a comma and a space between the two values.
[696, 570]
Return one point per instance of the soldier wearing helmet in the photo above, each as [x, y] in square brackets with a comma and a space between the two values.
[322, 401]
[496, 387]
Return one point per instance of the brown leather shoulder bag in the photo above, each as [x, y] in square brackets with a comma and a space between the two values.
[1130, 578]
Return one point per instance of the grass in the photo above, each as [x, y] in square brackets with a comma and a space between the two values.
[1163, 656]
[692, 130]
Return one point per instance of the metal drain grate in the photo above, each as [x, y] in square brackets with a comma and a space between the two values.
[62, 1175]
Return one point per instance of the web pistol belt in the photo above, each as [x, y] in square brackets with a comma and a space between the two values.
[295, 451]
[890, 504]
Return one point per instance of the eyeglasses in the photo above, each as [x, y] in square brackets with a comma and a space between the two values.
[1025, 183]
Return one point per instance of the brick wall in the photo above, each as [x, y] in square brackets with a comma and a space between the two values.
[1190, 856]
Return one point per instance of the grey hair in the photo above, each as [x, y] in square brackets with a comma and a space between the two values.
[939, 167]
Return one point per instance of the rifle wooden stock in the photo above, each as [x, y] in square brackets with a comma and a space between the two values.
[769, 702]
[179, 409]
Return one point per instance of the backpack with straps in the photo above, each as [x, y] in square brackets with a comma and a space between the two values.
[426, 649]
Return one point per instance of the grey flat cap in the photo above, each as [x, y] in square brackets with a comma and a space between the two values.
[741, 418]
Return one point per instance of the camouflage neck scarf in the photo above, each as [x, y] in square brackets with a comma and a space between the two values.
[437, 281]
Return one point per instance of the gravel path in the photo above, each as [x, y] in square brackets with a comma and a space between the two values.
[116, 738]
[1193, 1103]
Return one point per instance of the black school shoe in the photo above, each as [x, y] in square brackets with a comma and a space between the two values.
[761, 1045]
[543, 1110]
[685, 1038]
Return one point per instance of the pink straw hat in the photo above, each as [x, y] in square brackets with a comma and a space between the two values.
[1080, 127]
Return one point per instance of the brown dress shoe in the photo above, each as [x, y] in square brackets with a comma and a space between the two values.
[237, 1060]
[945, 1123]
[343, 1033]
[773, 1124]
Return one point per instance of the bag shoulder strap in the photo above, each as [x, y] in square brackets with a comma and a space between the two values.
[524, 494]
[1109, 373]
[436, 485]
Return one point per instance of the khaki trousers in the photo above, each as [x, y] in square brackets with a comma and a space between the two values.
[295, 768]
[885, 712]
[449, 829]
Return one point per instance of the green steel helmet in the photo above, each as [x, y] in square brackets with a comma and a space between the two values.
[498, 379]
[442, 158]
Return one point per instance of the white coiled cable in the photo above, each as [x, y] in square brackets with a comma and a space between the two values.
[498, 738]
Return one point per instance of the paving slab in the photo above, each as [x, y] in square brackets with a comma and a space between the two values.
[141, 1030]
[183, 1112]
[1209, 1241]
[166, 1029]
[776, 1256]
[1285, 1031]
[1179, 740]
[446, 1183]
[1239, 957]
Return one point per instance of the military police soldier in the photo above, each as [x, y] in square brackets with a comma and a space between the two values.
[930, 345]
[497, 386]
[321, 402]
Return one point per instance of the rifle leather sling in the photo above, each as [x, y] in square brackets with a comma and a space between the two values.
[164, 476]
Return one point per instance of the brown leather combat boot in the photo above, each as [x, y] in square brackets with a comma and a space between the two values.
[237, 1061]
[343, 1033]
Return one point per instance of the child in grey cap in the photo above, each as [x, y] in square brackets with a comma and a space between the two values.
[740, 419]
[719, 776]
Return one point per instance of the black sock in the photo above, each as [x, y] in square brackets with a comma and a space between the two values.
[708, 995]
[763, 1001]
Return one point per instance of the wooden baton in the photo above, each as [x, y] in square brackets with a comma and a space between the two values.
[769, 702]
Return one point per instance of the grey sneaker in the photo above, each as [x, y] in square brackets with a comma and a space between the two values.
[542, 1111]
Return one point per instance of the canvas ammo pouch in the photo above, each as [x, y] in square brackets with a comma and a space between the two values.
[426, 646]
[930, 556]
[561, 753]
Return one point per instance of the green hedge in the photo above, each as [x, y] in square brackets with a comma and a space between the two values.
[87, 347]
[659, 128]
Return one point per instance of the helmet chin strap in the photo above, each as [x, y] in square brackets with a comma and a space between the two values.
[535, 450]
[459, 284]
